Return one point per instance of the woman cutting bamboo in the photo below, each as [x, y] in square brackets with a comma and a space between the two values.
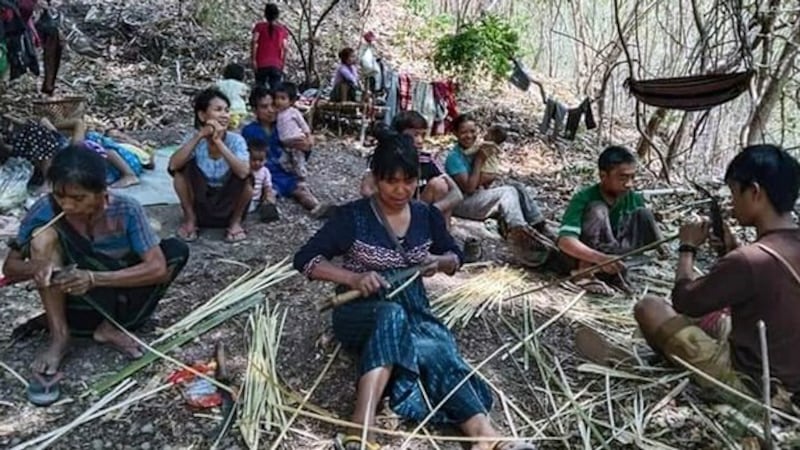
[99, 266]
[406, 352]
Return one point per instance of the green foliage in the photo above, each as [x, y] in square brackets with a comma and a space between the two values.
[417, 6]
[486, 44]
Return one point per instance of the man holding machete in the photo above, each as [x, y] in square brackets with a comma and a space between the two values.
[758, 282]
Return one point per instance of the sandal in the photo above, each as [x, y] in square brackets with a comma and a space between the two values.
[235, 236]
[43, 389]
[186, 234]
[353, 442]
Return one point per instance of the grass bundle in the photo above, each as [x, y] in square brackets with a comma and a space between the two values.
[262, 400]
[243, 294]
[490, 288]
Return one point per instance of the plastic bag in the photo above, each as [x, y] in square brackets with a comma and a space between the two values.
[14, 177]
[369, 64]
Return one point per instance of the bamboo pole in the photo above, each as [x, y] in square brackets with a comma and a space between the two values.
[766, 391]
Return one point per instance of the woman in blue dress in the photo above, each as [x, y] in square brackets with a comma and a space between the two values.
[405, 351]
[263, 129]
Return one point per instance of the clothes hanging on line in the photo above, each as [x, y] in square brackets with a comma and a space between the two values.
[391, 98]
[574, 119]
[422, 100]
[435, 101]
[554, 112]
[404, 92]
[445, 93]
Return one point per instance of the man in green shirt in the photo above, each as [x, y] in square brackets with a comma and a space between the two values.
[607, 218]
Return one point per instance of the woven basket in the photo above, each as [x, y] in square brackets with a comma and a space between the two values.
[66, 108]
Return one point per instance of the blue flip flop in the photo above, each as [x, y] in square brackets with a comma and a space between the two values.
[43, 390]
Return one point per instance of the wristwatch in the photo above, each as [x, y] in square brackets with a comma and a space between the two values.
[687, 248]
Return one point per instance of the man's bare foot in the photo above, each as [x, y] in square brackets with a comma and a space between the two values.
[110, 335]
[48, 361]
[125, 181]
[187, 232]
[235, 233]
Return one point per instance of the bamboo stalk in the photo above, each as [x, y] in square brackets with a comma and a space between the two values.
[767, 388]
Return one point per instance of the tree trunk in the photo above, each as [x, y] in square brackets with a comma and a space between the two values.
[677, 140]
[643, 148]
[757, 127]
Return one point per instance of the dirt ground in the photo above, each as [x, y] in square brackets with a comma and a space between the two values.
[165, 421]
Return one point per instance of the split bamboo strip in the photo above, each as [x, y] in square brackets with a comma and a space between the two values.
[308, 395]
[14, 374]
[241, 288]
[766, 384]
[470, 299]
[595, 268]
[48, 438]
[44, 227]
[630, 437]
[546, 377]
[539, 356]
[428, 404]
[544, 326]
[621, 395]
[242, 295]
[405, 434]
[714, 427]
[170, 359]
[508, 403]
[405, 284]
[127, 371]
[730, 390]
[262, 399]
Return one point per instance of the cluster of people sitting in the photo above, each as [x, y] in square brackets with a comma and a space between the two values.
[100, 268]
[39, 140]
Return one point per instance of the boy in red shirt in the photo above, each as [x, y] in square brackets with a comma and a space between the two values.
[269, 48]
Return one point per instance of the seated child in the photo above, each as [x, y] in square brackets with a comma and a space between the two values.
[490, 146]
[233, 86]
[263, 195]
[291, 125]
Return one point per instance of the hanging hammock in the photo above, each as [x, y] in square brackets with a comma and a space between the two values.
[689, 93]
[692, 93]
